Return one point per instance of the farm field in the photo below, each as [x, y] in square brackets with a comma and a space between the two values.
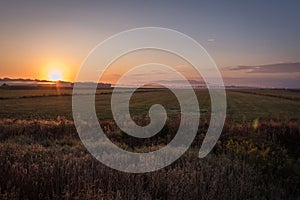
[247, 104]
[256, 157]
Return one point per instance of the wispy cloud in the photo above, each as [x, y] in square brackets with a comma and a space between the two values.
[211, 40]
[288, 67]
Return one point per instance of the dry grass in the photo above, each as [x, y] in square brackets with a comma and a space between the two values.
[46, 160]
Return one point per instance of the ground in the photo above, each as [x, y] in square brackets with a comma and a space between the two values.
[256, 157]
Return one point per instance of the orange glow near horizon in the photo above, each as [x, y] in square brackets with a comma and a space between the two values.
[55, 71]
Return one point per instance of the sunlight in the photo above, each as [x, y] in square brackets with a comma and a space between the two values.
[57, 71]
[55, 75]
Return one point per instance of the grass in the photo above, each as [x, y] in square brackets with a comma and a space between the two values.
[240, 104]
[256, 157]
[42, 159]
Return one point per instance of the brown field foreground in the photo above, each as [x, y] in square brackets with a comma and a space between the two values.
[42, 159]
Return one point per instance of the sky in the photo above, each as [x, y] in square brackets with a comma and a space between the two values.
[254, 43]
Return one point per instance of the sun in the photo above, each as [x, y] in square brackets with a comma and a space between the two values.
[55, 75]
[56, 71]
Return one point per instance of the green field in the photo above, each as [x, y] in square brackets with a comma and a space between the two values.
[241, 104]
[256, 157]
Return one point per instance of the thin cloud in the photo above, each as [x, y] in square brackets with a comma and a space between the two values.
[211, 40]
[291, 67]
